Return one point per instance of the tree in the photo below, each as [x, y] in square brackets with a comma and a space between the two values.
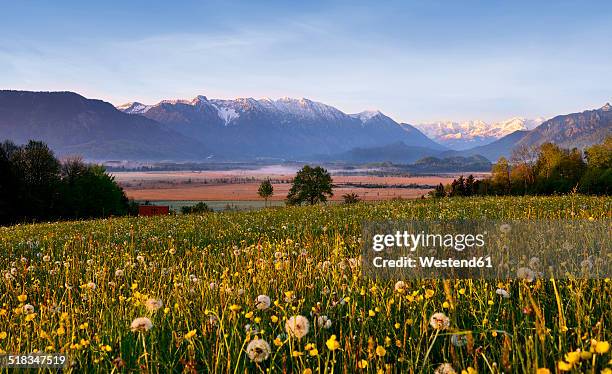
[310, 185]
[500, 175]
[600, 155]
[265, 190]
[199, 208]
[351, 198]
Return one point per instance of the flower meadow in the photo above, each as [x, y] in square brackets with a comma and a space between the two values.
[281, 290]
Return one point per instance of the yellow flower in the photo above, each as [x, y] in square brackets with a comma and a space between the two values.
[572, 357]
[22, 298]
[313, 352]
[602, 347]
[307, 371]
[234, 308]
[249, 315]
[585, 355]
[606, 371]
[107, 348]
[381, 351]
[274, 319]
[296, 354]
[332, 344]
[371, 313]
[190, 334]
[278, 342]
[429, 294]
[3, 335]
[397, 325]
[30, 317]
[362, 364]
[564, 366]
[60, 331]
[445, 305]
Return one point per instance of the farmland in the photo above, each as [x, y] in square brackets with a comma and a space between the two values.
[282, 290]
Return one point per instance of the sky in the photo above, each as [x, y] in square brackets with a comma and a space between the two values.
[416, 61]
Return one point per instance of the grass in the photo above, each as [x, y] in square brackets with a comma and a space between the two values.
[87, 282]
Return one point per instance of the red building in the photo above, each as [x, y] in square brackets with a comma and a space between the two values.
[153, 210]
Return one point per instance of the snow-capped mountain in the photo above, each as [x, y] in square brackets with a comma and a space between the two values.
[283, 128]
[468, 134]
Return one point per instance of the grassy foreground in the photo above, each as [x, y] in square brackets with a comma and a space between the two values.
[191, 293]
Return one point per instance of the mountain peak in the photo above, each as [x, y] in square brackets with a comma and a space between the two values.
[133, 108]
[606, 108]
[367, 115]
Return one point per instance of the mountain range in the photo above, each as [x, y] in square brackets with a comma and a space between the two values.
[470, 134]
[247, 129]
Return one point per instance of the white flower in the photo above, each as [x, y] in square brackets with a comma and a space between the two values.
[141, 324]
[262, 302]
[445, 369]
[526, 274]
[212, 285]
[503, 293]
[118, 273]
[324, 322]
[46, 258]
[505, 228]
[91, 285]
[400, 286]
[586, 265]
[153, 304]
[297, 326]
[139, 258]
[439, 321]
[258, 350]
[534, 263]
[28, 309]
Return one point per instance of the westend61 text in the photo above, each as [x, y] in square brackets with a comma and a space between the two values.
[433, 262]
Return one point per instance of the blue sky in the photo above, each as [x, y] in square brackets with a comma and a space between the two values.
[416, 61]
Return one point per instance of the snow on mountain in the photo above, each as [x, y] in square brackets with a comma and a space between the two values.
[366, 115]
[134, 108]
[462, 135]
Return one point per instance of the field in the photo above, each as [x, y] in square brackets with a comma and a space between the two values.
[219, 293]
[241, 185]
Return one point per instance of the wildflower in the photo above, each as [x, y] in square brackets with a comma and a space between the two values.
[274, 319]
[190, 334]
[602, 347]
[118, 273]
[262, 302]
[429, 294]
[3, 335]
[153, 304]
[234, 307]
[324, 322]
[332, 344]
[439, 321]
[91, 286]
[362, 364]
[258, 350]
[400, 286]
[505, 228]
[141, 324]
[28, 309]
[381, 351]
[564, 366]
[22, 298]
[525, 274]
[445, 369]
[534, 263]
[46, 258]
[542, 371]
[503, 293]
[573, 357]
[297, 326]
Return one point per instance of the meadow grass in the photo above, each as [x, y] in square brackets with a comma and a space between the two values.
[80, 287]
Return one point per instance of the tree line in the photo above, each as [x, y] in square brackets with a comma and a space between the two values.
[544, 170]
[36, 186]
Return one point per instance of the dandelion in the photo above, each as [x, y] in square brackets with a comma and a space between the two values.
[141, 324]
[91, 286]
[118, 273]
[602, 347]
[564, 366]
[258, 350]
[332, 344]
[28, 309]
[505, 228]
[22, 298]
[534, 263]
[46, 258]
[324, 322]
[381, 351]
[445, 369]
[262, 302]
[503, 293]
[400, 286]
[190, 334]
[439, 321]
[297, 326]
[525, 274]
[153, 304]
